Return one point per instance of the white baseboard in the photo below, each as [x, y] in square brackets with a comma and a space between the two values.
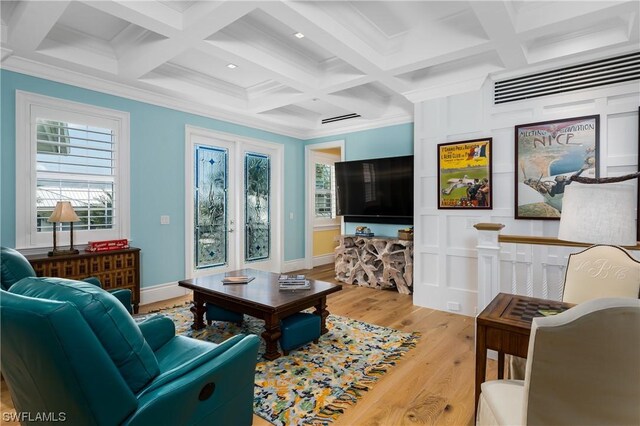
[161, 292]
[324, 259]
[292, 265]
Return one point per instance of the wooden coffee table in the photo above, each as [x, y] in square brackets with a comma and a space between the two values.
[260, 298]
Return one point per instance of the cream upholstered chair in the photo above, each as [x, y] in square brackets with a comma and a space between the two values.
[582, 369]
[599, 271]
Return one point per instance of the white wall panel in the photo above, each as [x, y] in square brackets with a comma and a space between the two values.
[462, 273]
[446, 264]
[429, 263]
[428, 230]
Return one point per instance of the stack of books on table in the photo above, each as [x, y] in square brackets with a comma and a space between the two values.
[293, 282]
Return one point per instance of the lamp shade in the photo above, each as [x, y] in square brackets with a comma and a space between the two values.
[63, 213]
[598, 214]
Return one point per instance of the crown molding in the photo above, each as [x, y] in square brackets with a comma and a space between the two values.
[74, 78]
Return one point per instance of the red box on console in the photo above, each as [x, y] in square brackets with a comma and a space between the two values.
[107, 245]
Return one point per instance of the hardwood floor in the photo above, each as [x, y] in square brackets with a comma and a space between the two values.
[431, 385]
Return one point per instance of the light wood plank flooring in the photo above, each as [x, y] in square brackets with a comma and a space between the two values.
[431, 385]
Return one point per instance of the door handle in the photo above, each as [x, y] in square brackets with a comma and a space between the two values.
[230, 230]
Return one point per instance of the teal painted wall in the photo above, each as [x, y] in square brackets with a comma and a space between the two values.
[391, 141]
[157, 173]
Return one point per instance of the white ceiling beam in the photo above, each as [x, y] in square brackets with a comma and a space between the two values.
[499, 26]
[32, 21]
[145, 57]
[284, 71]
[323, 30]
[266, 103]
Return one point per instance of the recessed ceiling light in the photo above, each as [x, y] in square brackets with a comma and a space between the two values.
[232, 66]
[299, 35]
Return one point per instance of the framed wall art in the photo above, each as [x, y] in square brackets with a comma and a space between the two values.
[464, 175]
[547, 154]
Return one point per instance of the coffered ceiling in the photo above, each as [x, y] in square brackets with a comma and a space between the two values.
[371, 58]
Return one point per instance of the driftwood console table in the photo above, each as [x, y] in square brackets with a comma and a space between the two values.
[377, 262]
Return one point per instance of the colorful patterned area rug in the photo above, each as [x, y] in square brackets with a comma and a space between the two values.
[315, 383]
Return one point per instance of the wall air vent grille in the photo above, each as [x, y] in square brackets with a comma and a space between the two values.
[578, 77]
[340, 118]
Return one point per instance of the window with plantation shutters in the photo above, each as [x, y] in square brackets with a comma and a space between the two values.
[75, 162]
[324, 194]
[71, 152]
[322, 188]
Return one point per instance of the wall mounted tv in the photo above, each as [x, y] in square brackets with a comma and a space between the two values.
[379, 190]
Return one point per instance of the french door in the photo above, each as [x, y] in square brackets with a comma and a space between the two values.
[232, 214]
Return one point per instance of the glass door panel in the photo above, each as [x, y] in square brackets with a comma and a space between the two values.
[211, 244]
[257, 203]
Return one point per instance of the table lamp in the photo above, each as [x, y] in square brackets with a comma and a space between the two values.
[599, 211]
[63, 213]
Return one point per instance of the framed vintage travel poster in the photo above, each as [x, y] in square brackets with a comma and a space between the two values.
[547, 155]
[464, 175]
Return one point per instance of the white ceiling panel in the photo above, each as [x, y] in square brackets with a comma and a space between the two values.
[87, 20]
[373, 58]
[215, 67]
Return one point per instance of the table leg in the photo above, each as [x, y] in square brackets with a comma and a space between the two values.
[271, 335]
[321, 311]
[481, 361]
[198, 311]
[500, 365]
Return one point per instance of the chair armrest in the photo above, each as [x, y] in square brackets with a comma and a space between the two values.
[193, 363]
[93, 280]
[124, 296]
[157, 331]
[228, 375]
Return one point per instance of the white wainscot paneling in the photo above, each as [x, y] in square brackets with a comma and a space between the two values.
[460, 232]
[503, 148]
[427, 192]
[622, 137]
[626, 100]
[462, 273]
[464, 113]
[429, 235]
[568, 109]
[550, 228]
[503, 117]
[503, 197]
[427, 160]
[429, 269]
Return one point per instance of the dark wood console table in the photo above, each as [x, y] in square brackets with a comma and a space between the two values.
[116, 269]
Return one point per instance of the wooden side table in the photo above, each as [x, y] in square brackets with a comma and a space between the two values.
[116, 269]
[504, 326]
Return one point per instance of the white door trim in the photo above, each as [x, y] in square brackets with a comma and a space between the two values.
[277, 169]
[309, 202]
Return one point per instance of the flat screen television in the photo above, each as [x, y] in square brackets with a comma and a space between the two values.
[379, 190]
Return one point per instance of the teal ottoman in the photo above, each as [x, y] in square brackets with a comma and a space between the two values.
[299, 329]
[216, 313]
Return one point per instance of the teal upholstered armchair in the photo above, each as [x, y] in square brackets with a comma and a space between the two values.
[70, 347]
[14, 267]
